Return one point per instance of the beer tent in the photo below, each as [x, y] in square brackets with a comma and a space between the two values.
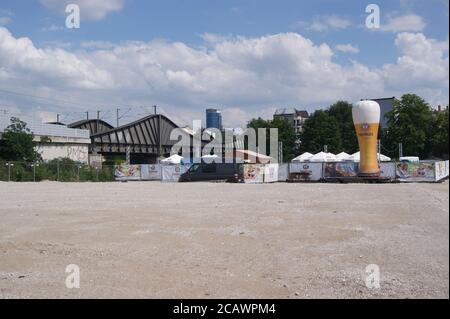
[356, 157]
[303, 157]
[174, 159]
[343, 156]
[323, 157]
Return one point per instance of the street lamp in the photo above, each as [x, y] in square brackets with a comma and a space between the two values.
[78, 172]
[34, 165]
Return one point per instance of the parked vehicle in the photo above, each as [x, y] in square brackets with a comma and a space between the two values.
[232, 173]
[409, 159]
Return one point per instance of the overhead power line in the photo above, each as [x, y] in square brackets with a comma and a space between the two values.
[41, 97]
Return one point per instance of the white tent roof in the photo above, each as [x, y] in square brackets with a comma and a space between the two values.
[174, 159]
[356, 157]
[343, 156]
[210, 156]
[323, 157]
[303, 157]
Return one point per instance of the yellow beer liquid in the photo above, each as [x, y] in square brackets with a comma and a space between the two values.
[367, 139]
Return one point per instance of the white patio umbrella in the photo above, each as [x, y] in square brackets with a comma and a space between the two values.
[323, 157]
[174, 159]
[342, 156]
[303, 157]
[356, 157]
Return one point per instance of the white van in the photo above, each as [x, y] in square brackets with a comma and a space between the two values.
[409, 159]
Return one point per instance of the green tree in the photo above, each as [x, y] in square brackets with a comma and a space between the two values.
[320, 129]
[410, 122]
[439, 135]
[17, 143]
[286, 135]
[342, 112]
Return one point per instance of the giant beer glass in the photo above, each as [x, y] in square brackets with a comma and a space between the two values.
[366, 117]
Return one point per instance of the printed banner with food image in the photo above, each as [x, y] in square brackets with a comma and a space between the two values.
[253, 173]
[344, 169]
[127, 172]
[415, 172]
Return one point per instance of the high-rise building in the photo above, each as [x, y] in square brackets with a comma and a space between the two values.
[213, 119]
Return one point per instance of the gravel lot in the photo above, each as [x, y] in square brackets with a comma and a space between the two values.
[216, 240]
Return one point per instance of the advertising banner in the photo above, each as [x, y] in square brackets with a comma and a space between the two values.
[415, 172]
[305, 171]
[283, 171]
[127, 172]
[441, 170]
[387, 170]
[172, 173]
[270, 173]
[253, 173]
[341, 169]
[151, 172]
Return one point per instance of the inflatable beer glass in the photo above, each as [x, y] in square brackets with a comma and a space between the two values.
[366, 117]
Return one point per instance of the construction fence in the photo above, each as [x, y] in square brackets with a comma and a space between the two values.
[37, 172]
[424, 171]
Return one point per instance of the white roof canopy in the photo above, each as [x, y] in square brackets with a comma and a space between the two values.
[343, 156]
[323, 157]
[174, 159]
[356, 157]
[303, 157]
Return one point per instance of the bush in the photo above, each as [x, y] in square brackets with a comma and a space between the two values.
[63, 170]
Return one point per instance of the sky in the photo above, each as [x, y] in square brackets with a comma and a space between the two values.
[245, 57]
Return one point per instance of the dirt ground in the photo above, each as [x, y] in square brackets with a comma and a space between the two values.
[217, 240]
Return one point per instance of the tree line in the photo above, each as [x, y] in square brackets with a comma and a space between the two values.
[422, 130]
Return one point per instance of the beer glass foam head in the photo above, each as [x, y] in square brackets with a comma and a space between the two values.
[366, 112]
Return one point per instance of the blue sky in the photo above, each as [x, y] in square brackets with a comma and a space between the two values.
[214, 25]
[181, 20]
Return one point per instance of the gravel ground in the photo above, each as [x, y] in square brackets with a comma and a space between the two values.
[216, 240]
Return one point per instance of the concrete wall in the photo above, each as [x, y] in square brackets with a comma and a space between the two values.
[77, 149]
[78, 153]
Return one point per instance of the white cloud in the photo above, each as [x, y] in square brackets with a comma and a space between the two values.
[408, 22]
[5, 20]
[89, 9]
[246, 77]
[325, 23]
[423, 65]
[5, 17]
[347, 48]
[53, 28]
[97, 45]
[20, 59]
